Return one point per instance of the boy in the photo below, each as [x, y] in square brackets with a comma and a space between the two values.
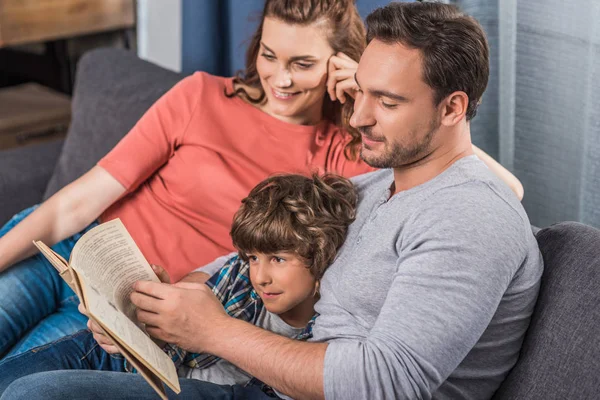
[287, 231]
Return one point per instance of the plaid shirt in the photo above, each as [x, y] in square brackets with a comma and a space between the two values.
[231, 284]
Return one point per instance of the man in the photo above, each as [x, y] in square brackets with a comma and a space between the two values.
[433, 290]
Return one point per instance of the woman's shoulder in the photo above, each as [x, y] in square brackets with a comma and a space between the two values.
[201, 88]
[206, 82]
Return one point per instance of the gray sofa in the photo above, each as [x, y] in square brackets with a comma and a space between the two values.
[560, 358]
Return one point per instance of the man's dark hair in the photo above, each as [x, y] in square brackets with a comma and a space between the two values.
[453, 45]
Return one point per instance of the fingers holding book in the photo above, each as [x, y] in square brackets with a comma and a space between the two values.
[105, 342]
[177, 313]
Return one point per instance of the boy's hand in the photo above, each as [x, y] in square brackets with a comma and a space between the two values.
[161, 273]
[104, 341]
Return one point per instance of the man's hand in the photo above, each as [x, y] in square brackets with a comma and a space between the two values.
[186, 314]
[195, 277]
[104, 341]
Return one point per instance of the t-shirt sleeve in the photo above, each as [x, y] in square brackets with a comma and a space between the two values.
[155, 137]
[451, 274]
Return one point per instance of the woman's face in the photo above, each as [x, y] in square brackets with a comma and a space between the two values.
[292, 66]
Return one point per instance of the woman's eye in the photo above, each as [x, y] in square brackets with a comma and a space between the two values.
[304, 65]
[268, 56]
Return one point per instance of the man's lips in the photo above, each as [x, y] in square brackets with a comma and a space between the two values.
[369, 140]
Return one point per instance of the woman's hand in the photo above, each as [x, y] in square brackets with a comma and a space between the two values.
[104, 341]
[340, 81]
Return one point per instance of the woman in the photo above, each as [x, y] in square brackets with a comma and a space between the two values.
[177, 178]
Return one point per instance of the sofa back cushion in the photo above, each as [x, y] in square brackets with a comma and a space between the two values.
[560, 358]
[113, 89]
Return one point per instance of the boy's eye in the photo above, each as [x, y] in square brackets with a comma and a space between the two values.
[252, 258]
[278, 260]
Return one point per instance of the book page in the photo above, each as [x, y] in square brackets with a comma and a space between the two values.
[130, 336]
[108, 259]
[61, 265]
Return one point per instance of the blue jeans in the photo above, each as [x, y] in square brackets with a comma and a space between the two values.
[37, 306]
[95, 374]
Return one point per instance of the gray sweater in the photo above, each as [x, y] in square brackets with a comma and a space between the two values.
[433, 290]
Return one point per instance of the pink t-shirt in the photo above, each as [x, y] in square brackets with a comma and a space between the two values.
[193, 157]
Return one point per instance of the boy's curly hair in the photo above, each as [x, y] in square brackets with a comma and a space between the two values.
[308, 216]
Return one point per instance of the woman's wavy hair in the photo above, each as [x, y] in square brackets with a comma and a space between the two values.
[346, 33]
[308, 216]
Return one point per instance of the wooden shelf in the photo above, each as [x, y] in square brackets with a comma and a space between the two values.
[31, 113]
[28, 21]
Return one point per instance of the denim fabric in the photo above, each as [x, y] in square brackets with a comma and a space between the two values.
[78, 351]
[95, 374]
[37, 306]
[77, 385]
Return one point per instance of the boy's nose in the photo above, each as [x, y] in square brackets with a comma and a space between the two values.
[262, 275]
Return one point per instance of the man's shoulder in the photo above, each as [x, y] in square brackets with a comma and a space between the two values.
[470, 184]
[474, 208]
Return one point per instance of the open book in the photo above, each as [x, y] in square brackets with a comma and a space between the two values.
[102, 268]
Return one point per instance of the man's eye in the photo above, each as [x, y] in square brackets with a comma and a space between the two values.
[388, 105]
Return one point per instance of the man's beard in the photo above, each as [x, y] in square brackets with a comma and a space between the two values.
[397, 155]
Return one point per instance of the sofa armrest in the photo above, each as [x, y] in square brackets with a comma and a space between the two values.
[24, 175]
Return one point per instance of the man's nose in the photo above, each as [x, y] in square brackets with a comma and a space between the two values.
[363, 112]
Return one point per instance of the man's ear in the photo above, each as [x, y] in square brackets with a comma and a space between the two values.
[454, 107]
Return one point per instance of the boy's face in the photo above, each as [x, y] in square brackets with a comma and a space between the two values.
[285, 284]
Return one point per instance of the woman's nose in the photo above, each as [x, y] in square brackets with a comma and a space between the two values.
[284, 78]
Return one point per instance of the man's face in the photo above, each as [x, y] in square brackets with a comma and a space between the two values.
[394, 108]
